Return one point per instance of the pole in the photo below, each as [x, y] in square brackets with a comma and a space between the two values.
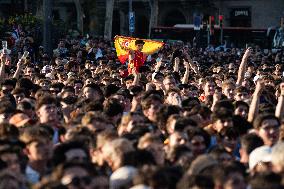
[221, 37]
[47, 15]
[130, 10]
[208, 35]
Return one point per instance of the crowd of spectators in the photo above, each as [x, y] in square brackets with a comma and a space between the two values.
[190, 118]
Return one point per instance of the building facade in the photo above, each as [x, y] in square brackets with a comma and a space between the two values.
[258, 14]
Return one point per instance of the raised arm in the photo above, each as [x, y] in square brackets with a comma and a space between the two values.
[186, 73]
[279, 112]
[243, 67]
[136, 77]
[176, 64]
[254, 106]
[191, 64]
[3, 60]
[19, 68]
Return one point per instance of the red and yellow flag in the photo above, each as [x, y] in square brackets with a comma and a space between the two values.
[124, 44]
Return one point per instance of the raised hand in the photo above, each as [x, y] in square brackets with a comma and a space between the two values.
[259, 86]
[247, 53]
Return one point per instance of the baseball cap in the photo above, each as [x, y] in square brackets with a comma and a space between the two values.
[260, 154]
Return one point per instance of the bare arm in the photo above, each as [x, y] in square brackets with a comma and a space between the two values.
[176, 64]
[279, 112]
[136, 77]
[243, 67]
[192, 65]
[2, 67]
[254, 106]
[186, 73]
[19, 69]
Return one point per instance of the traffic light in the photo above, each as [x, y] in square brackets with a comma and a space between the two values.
[221, 20]
[211, 24]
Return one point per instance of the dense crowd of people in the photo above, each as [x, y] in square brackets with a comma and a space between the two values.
[189, 118]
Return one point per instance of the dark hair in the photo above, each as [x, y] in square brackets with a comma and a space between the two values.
[44, 100]
[250, 141]
[221, 113]
[196, 181]
[60, 150]
[261, 117]
[138, 158]
[112, 107]
[139, 41]
[266, 180]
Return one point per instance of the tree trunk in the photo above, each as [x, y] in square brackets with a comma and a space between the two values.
[80, 16]
[108, 19]
[154, 5]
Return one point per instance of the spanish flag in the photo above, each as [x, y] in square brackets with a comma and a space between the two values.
[124, 44]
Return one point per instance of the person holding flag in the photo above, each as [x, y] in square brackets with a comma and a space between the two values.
[135, 51]
[136, 57]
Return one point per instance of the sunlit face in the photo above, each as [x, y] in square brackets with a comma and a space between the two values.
[169, 83]
[220, 124]
[269, 131]
[241, 96]
[151, 112]
[47, 113]
[197, 145]
[209, 88]
[242, 111]
[229, 92]
[139, 47]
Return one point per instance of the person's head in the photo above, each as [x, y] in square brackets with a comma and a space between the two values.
[260, 160]
[46, 109]
[75, 175]
[267, 127]
[169, 82]
[277, 157]
[139, 44]
[38, 142]
[241, 109]
[173, 97]
[241, 93]
[196, 182]
[128, 121]
[150, 106]
[92, 91]
[96, 122]
[29, 71]
[12, 159]
[228, 89]
[153, 144]
[19, 94]
[113, 109]
[7, 87]
[266, 180]
[248, 143]
[222, 118]
[220, 154]
[199, 141]
[177, 139]
[209, 86]
[11, 179]
[70, 151]
[128, 81]
[228, 138]
[114, 151]
[78, 84]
